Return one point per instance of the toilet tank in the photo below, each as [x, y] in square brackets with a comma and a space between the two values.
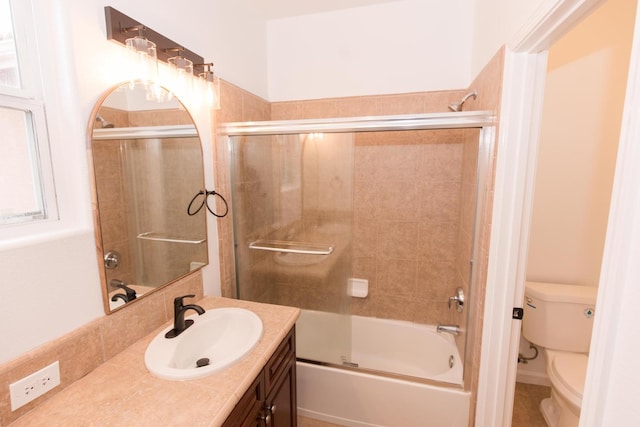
[559, 316]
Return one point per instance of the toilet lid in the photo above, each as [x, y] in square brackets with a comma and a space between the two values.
[569, 372]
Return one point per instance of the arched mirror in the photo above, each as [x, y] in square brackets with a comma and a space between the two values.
[147, 165]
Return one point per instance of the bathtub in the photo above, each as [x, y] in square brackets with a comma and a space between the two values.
[415, 385]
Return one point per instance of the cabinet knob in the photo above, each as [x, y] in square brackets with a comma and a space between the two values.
[265, 418]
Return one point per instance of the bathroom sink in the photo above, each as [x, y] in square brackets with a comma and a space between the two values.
[217, 339]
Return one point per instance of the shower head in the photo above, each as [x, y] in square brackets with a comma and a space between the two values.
[103, 122]
[457, 106]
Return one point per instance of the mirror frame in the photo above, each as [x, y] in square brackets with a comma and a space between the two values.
[100, 250]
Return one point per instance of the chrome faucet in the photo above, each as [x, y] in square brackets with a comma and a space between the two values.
[450, 329]
[179, 322]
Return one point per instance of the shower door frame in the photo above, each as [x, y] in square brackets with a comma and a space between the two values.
[484, 121]
[453, 120]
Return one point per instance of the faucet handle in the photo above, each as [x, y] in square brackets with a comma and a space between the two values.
[458, 298]
[178, 301]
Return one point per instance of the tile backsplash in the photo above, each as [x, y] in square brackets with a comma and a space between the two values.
[81, 351]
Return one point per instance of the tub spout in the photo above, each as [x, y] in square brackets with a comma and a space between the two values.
[450, 329]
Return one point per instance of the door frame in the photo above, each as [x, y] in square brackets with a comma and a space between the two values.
[520, 122]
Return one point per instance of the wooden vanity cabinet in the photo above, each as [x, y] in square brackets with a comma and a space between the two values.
[271, 398]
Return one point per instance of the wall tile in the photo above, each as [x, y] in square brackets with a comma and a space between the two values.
[321, 109]
[397, 277]
[85, 341]
[439, 201]
[397, 240]
[436, 279]
[85, 349]
[287, 110]
[489, 86]
[438, 241]
[396, 200]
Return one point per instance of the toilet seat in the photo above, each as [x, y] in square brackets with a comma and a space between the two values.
[567, 374]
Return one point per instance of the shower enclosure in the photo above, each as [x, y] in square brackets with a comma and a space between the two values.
[366, 224]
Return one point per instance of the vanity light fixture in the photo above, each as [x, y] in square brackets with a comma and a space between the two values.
[211, 86]
[151, 47]
[182, 69]
[145, 58]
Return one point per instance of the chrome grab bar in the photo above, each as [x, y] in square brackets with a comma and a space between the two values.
[291, 247]
[159, 237]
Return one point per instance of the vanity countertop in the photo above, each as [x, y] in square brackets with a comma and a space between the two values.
[122, 392]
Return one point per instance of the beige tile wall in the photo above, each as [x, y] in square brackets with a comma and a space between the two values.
[489, 86]
[407, 203]
[84, 349]
[408, 259]
[237, 105]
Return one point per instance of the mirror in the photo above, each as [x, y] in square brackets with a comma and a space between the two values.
[146, 159]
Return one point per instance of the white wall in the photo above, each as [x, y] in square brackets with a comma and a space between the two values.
[226, 33]
[397, 47]
[50, 283]
[496, 22]
[584, 97]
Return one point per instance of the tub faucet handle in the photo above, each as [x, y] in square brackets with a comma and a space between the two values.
[458, 298]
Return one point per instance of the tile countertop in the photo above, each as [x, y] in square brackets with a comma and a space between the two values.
[122, 392]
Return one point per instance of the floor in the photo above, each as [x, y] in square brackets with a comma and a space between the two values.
[310, 422]
[526, 405]
[526, 408]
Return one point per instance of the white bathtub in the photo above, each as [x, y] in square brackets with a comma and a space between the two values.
[359, 399]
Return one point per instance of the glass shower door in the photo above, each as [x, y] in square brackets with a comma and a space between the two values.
[293, 209]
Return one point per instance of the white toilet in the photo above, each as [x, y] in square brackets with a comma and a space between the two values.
[559, 319]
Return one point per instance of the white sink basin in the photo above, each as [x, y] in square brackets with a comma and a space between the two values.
[217, 339]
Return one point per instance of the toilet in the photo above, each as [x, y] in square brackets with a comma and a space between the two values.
[558, 318]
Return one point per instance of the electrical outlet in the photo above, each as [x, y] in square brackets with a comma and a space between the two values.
[35, 385]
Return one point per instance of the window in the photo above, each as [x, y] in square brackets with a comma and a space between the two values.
[9, 75]
[26, 182]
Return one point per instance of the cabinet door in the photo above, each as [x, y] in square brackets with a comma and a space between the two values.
[277, 382]
[280, 384]
[281, 399]
[249, 409]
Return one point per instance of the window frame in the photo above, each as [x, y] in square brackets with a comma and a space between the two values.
[26, 51]
[45, 185]
[29, 97]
